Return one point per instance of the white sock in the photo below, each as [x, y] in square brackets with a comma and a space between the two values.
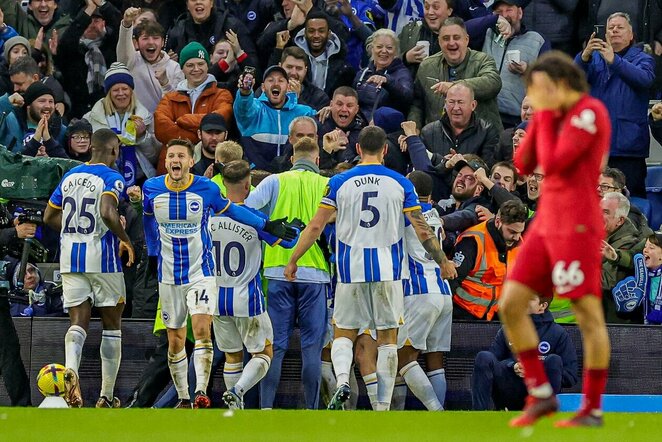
[203, 355]
[419, 384]
[254, 371]
[370, 381]
[341, 355]
[387, 369]
[178, 366]
[354, 387]
[328, 384]
[73, 346]
[232, 374]
[399, 394]
[111, 354]
[438, 380]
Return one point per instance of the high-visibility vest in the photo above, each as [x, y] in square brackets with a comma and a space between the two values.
[479, 292]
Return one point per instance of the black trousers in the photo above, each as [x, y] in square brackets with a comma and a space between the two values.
[11, 365]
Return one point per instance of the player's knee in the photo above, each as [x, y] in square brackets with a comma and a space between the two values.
[268, 351]
[553, 363]
[484, 360]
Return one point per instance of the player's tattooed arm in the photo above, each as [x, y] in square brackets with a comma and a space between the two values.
[431, 243]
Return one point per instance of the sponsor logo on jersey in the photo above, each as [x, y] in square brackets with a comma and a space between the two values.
[544, 347]
[7, 183]
[585, 121]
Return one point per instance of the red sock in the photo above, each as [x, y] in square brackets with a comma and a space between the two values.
[595, 380]
[534, 372]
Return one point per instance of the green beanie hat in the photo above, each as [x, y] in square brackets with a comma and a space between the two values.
[193, 50]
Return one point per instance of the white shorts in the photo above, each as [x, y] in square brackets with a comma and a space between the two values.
[232, 333]
[102, 289]
[195, 298]
[374, 305]
[428, 321]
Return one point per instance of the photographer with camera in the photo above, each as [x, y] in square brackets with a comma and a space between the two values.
[11, 365]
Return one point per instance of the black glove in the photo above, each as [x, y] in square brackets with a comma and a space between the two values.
[280, 229]
[298, 224]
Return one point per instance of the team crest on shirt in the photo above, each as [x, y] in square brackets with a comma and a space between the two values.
[194, 206]
[458, 258]
[544, 347]
[585, 121]
[251, 15]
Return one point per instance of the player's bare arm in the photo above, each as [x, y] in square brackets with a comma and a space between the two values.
[308, 237]
[53, 218]
[111, 218]
[431, 243]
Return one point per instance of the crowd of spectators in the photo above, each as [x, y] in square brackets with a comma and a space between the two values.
[443, 78]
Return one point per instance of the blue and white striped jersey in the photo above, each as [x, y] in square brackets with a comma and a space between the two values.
[424, 272]
[238, 259]
[370, 226]
[86, 243]
[401, 13]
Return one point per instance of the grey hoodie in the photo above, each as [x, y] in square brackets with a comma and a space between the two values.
[319, 65]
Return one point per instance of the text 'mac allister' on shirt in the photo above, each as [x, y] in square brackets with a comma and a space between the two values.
[370, 226]
[176, 226]
[570, 149]
[86, 243]
[424, 272]
[238, 259]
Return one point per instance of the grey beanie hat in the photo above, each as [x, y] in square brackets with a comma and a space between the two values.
[18, 40]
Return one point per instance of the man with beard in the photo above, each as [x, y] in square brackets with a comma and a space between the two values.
[340, 133]
[482, 255]
[85, 51]
[512, 65]
[41, 14]
[295, 62]
[154, 72]
[459, 212]
[43, 131]
[212, 131]
[264, 122]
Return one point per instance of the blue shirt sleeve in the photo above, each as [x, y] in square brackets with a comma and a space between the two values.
[56, 197]
[149, 222]
[113, 184]
[330, 192]
[411, 199]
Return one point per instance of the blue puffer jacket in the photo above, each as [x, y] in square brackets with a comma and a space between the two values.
[397, 92]
[623, 87]
[264, 129]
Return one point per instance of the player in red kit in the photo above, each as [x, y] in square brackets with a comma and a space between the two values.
[569, 139]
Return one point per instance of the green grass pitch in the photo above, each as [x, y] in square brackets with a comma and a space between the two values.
[32, 424]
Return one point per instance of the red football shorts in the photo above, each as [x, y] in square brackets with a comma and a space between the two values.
[569, 264]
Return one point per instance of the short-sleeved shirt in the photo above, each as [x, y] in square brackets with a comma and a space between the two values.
[370, 226]
[87, 245]
[183, 240]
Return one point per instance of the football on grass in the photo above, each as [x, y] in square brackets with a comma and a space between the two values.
[50, 380]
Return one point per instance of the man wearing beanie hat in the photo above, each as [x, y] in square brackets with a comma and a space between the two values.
[180, 112]
[43, 131]
[86, 50]
[204, 23]
[40, 15]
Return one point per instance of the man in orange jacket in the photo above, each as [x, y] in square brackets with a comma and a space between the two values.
[180, 112]
[483, 254]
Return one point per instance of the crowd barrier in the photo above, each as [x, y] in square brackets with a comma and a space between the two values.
[636, 366]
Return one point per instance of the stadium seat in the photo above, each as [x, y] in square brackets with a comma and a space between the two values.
[645, 206]
[654, 195]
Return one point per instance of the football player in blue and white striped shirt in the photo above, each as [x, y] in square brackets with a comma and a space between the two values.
[176, 209]
[241, 318]
[84, 208]
[369, 200]
[428, 313]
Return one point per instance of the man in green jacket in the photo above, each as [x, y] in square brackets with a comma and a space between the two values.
[455, 62]
[40, 14]
[295, 194]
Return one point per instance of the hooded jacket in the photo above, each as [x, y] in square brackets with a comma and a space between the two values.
[176, 118]
[147, 88]
[623, 87]
[397, 92]
[329, 70]
[265, 129]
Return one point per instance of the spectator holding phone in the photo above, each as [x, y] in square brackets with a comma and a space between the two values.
[620, 74]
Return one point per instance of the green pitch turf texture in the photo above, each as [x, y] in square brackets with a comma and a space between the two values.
[88, 424]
